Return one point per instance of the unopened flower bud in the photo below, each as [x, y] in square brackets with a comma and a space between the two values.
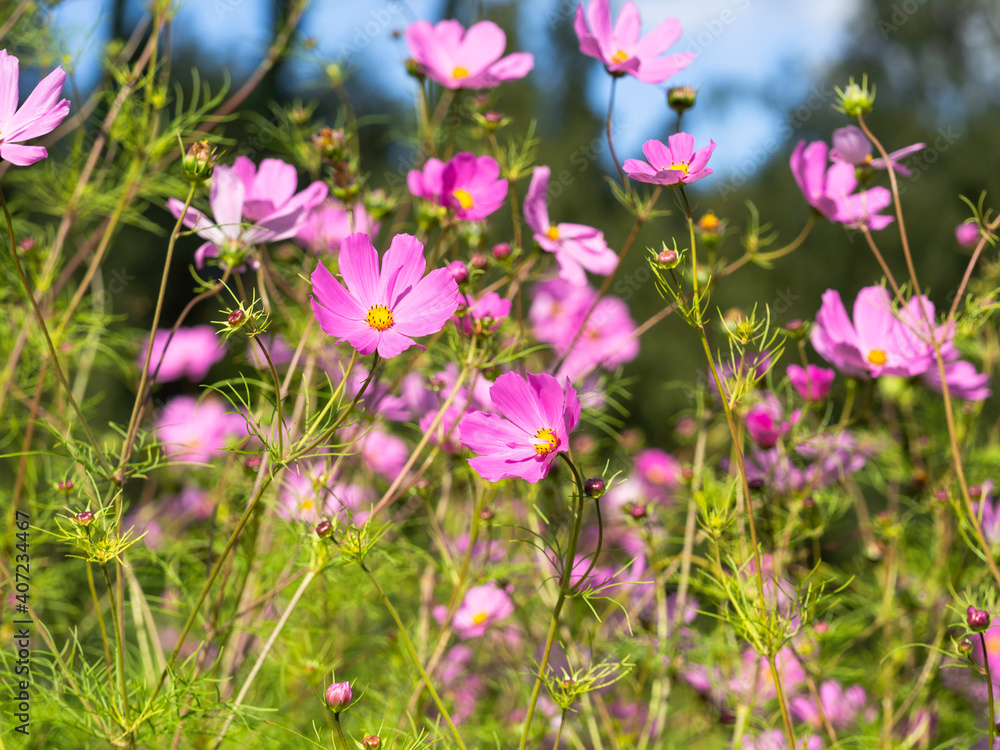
[236, 318]
[413, 69]
[486, 514]
[964, 647]
[638, 512]
[794, 326]
[978, 620]
[323, 529]
[856, 99]
[478, 261]
[84, 518]
[709, 223]
[459, 271]
[371, 742]
[339, 695]
[687, 473]
[667, 258]
[252, 462]
[755, 483]
[26, 244]
[975, 491]
[198, 162]
[299, 116]
[501, 251]
[331, 144]
[594, 487]
[681, 98]
[65, 486]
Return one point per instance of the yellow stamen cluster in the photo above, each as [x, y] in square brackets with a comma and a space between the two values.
[553, 233]
[550, 444]
[379, 317]
[479, 618]
[459, 72]
[619, 57]
[463, 197]
[877, 357]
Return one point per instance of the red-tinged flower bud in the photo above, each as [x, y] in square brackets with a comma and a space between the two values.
[486, 514]
[941, 495]
[236, 318]
[339, 695]
[371, 742]
[199, 162]
[755, 483]
[479, 261]
[638, 512]
[964, 647]
[117, 478]
[687, 473]
[975, 492]
[323, 529]
[26, 244]
[84, 518]
[501, 251]
[459, 271]
[252, 462]
[65, 486]
[794, 325]
[978, 620]
[667, 258]
[331, 144]
[594, 487]
[686, 427]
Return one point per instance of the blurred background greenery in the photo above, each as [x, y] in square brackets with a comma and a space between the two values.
[765, 71]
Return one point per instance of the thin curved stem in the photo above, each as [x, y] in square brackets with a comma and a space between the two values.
[989, 687]
[611, 142]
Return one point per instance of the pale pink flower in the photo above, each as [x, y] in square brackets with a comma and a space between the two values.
[40, 113]
[458, 58]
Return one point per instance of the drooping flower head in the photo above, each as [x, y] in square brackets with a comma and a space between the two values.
[851, 146]
[191, 353]
[41, 112]
[229, 235]
[535, 417]
[470, 185]
[620, 48]
[457, 58]
[383, 310]
[673, 163]
[577, 247]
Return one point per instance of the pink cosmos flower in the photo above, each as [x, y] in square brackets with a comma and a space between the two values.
[197, 431]
[812, 383]
[41, 112]
[465, 59]
[228, 235]
[329, 223]
[851, 146]
[269, 190]
[964, 381]
[620, 48]
[482, 315]
[576, 247]
[383, 311]
[190, 354]
[481, 607]
[967, 234]
[775, 739]
[829, 191]
[535, 418]
[840, 706]
[659, 473]
[277, 347]
[470, 185]
[877, 343]
[311, 492]
[676, 163]
[765, 421]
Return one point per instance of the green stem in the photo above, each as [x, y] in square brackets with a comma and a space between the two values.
[340, 731]
[277, 396]
[48, 339]
[989, 687]
[414, 657]
[781, 701]
[611, 142]
[120, 648]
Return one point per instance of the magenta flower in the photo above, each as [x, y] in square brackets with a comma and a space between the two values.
[775, 739]
[383, 311]
[483, 314]
[861, 210]
[967, 234]
[765, 421]
[197, 431]
[460, 59]
[470, 185]
[41, 112]
[269, 191]
[841, 706]
[812, 383]
[576, 247]
[329, 223]
[964, 381]
[481, 607]
[877, 343]
[851, 146]
[229, 237]
[339, 695]
[190, 354]
[659, 473]
[674, 164]
[620, 48]
[535, 418]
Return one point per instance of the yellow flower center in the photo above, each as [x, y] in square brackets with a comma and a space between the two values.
[379, 317]
[479, 618]
[679, 167]
[459, 72]
[869, 159]
[550, 444]
[877, 357]
[307, 504]
[619, 57]
[463, 197]
[553, 233]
